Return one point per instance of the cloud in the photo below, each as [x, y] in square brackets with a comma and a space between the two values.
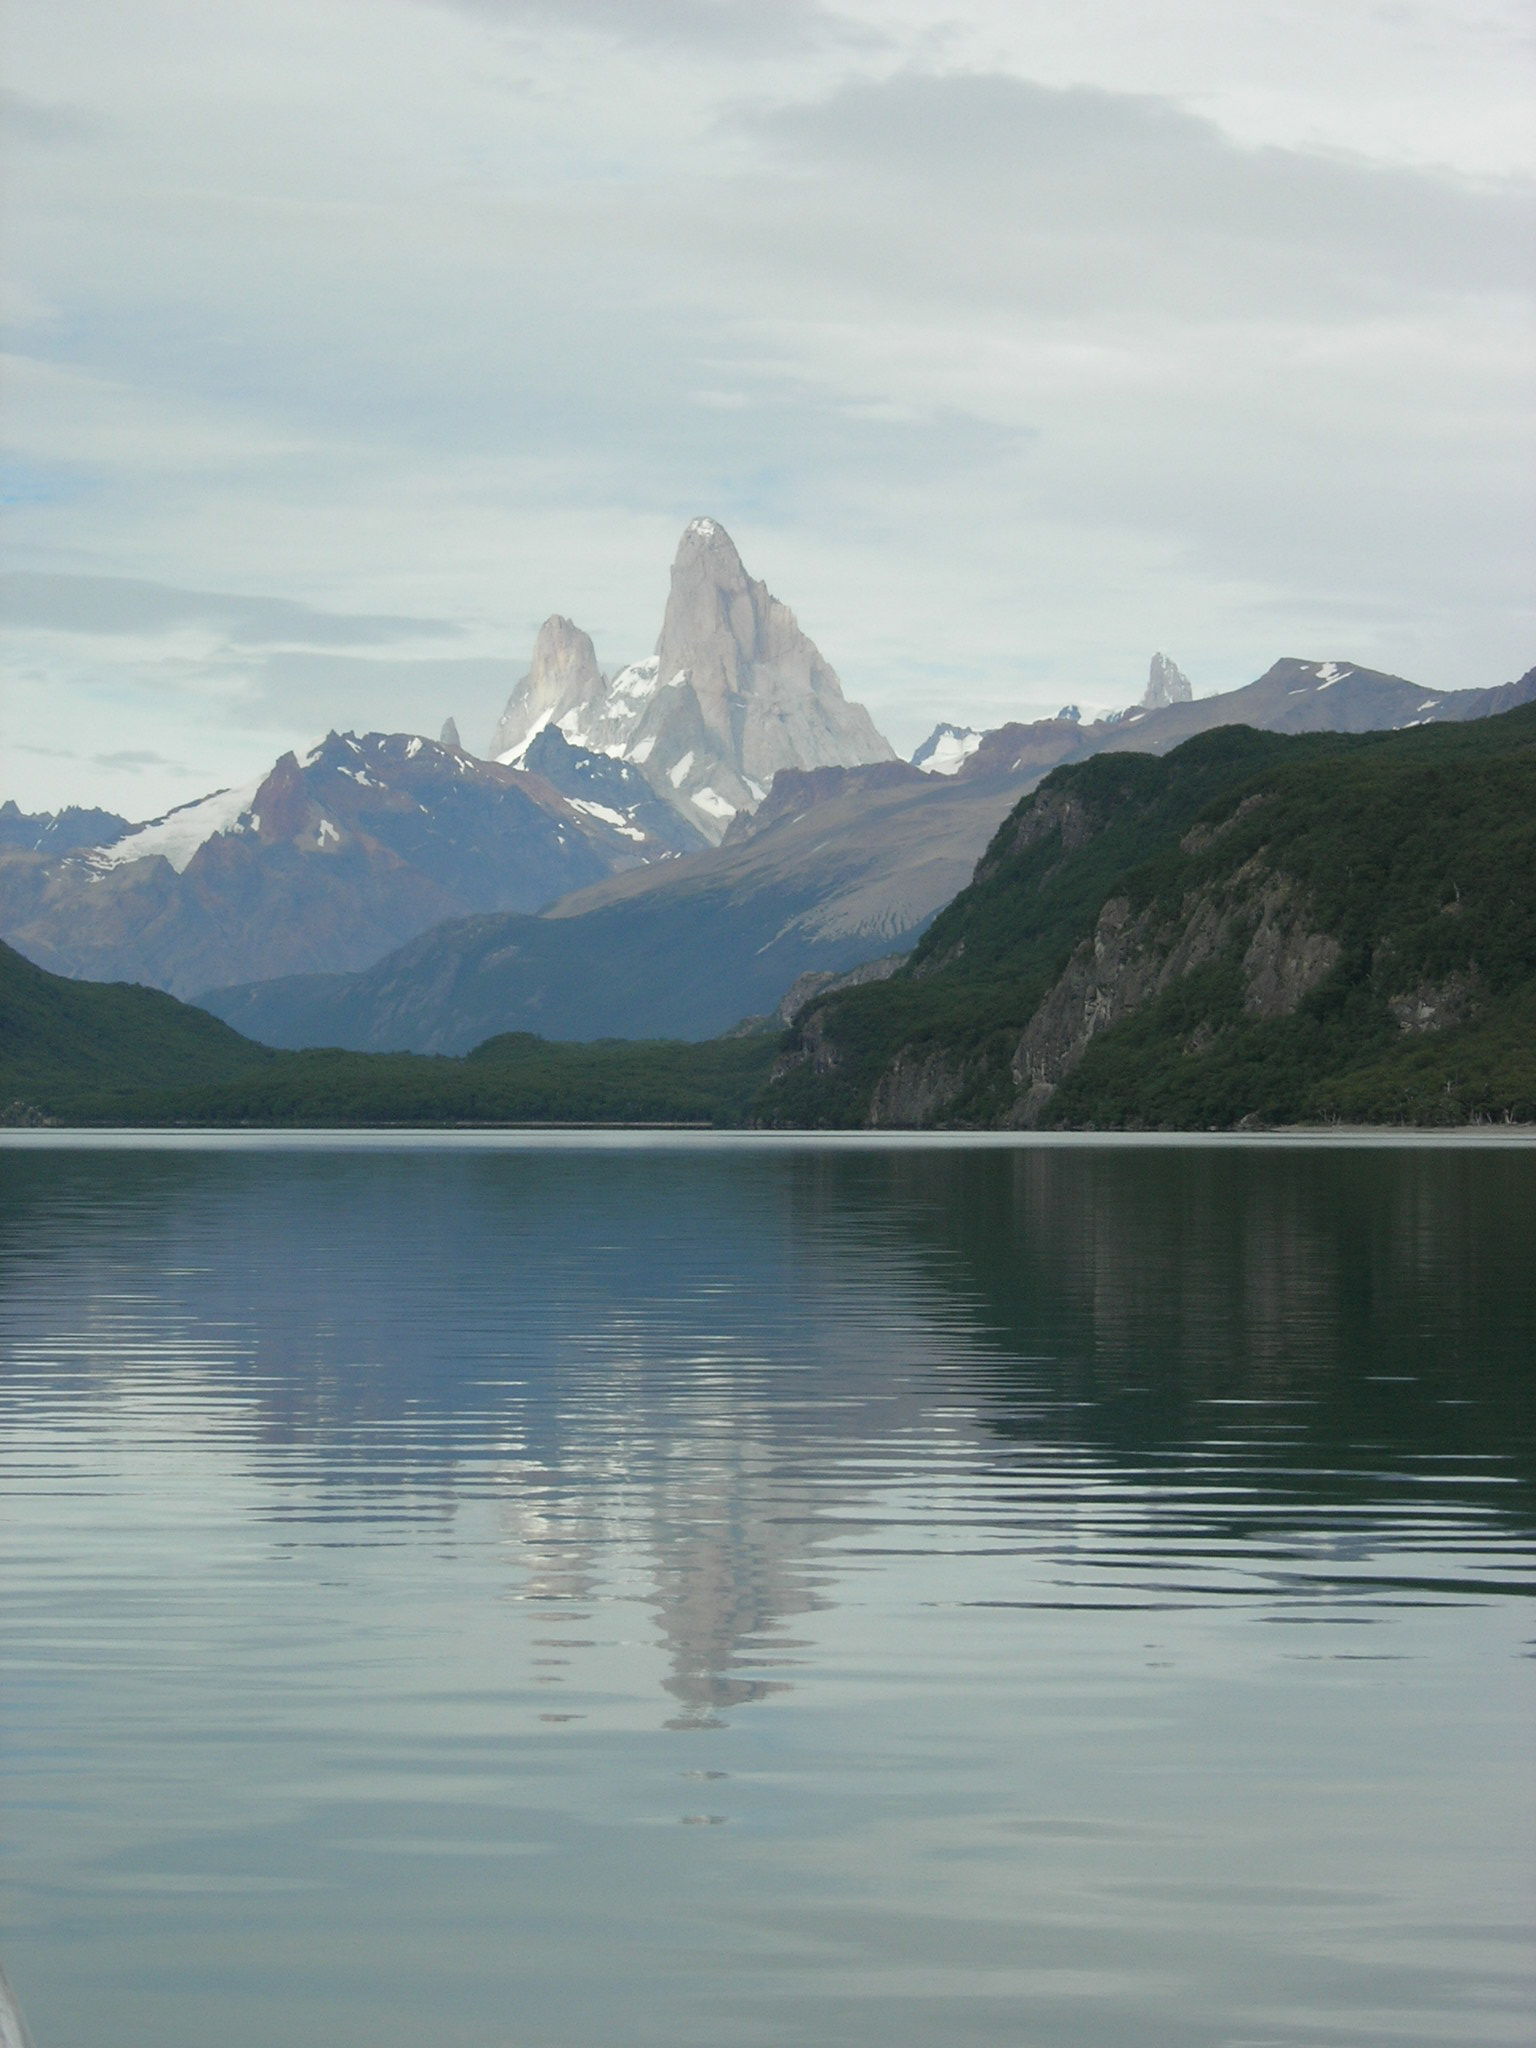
[135, 758]
[376, 694]
[1000, 380]
[42, 121]
[124, 605]
[1070, 198]
[729, 27]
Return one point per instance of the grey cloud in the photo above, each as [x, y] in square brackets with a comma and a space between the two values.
[1084, 162]
[43, 121]
[744, 26]
[377, 694]
[120, 604]
[134, 758]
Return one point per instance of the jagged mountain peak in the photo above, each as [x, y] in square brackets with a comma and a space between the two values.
[1166, 684]
[563, 687]
[735, 692]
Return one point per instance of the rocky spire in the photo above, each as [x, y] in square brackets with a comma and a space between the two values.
[734, 692]
[1166, 684]
[766, 697]
[563, 678]
[449, 736]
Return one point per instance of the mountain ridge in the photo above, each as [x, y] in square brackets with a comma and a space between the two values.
[330, 861]
[836, 867]
[1253, 927]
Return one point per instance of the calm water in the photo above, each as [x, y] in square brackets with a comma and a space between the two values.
[597, 1594]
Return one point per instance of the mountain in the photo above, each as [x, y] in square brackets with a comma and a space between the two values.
[1166, 684]
[94, 1053]
[606, 787]
[328, 862]
[58, 831]
[1306, 696]
[734, 692]
[836, 867]
[1254, 928]
[947, 749]
[839, 866]
[60, 1037]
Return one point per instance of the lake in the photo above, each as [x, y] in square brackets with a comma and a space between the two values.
[629, 1591]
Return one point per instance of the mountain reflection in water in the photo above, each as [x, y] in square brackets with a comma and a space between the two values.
[818, 1450]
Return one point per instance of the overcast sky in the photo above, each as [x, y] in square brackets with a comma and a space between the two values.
[349, 338]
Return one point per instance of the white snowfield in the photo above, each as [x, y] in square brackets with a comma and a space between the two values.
[947, 752]
[178, 835]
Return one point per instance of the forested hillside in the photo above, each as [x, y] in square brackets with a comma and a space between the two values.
[1251, 929]
[96, 1053]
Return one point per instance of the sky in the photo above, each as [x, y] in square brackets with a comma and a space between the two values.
[347, 339]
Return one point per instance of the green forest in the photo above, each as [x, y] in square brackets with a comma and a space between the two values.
[92, 1053]
[1414, 853]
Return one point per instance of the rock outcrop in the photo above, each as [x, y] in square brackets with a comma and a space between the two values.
[1132, 959]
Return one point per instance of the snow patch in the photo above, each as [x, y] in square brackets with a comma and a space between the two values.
[514, 757]
[1331, 672]
[178, 835]
[412, 750]
[636, 683]
[678, 771]
[946, 749]
[641, 751]
[616, 819]
[710, 800]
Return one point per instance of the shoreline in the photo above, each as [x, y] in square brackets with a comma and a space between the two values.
[80, 1137]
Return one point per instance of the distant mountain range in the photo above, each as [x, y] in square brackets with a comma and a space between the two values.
[1255, 930]
[329, 861]
[836, 867]
[664, 849]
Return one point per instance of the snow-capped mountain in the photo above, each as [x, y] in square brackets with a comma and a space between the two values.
[322, 863]
[734, 692]
[838, 867]
[947, 749]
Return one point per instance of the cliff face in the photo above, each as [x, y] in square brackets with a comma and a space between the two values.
[1250, 929]
[1133, 958]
